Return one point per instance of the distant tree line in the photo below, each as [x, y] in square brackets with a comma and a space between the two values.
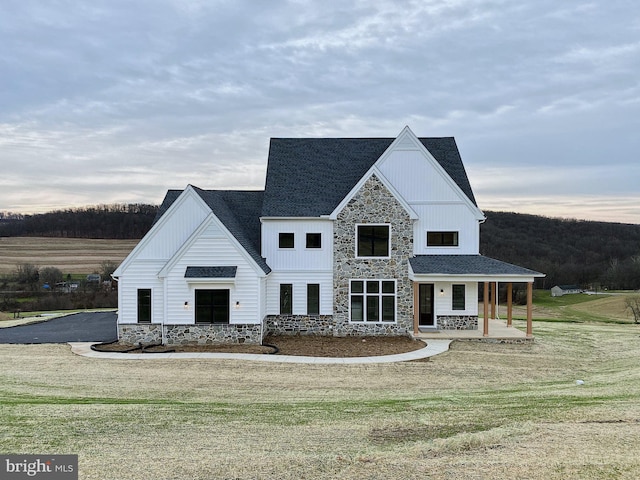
[117, 221]
[589, 254]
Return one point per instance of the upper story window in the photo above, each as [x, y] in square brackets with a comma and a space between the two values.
[314, 240]
[373, 240]
[286, 240]
[442, 239]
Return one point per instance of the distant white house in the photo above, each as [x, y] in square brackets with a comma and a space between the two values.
[560, 290]
[351, 236]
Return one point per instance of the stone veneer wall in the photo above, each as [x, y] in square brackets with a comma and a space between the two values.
[321, 325]
[200, 334]
[458, 322]
[135, 333]
[374, 203]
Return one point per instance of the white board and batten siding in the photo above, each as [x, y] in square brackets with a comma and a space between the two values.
[141, 274]
[432, 194]
[140, 269]
[443, 301]
[214, 248]
[299, 257]
[175, 228]
[299, 282]
[446, 218]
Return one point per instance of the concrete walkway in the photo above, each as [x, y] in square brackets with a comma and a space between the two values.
[434, 347]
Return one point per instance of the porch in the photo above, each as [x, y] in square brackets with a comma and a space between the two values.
[427, 271]
[498, 332]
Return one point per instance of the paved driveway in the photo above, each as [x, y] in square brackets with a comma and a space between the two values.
[80, 327]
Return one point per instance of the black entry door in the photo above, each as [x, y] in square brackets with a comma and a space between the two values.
[425, 304]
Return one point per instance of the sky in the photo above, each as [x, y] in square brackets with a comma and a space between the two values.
[117, 101]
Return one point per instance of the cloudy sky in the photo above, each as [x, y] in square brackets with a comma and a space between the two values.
[116, 101]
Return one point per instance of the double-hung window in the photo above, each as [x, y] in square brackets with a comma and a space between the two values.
[144, 305]
[372, 300]
[286, 299]
[373, 240]
[313, 299]
[458, 297]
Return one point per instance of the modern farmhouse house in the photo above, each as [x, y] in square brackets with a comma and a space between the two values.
[351, 236]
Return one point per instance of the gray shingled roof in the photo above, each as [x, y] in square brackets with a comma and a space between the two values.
[309, 177]
[238, 210]
[210, 272]
[466, 265]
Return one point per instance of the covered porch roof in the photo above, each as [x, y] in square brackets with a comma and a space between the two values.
[470, 267]
[476, 268]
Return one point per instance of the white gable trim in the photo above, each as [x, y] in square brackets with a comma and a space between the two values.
[186, 246]
[188, 192]
[374, 171]
[407, 140]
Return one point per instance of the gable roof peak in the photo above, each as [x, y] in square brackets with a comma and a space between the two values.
[309, 177]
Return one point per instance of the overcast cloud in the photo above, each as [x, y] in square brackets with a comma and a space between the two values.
[117, 101]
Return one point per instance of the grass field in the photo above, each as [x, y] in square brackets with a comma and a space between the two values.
[480, 411]
[70, 255]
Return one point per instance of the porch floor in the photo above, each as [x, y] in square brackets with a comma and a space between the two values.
[498, 330]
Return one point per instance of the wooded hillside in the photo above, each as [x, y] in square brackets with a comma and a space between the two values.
[589, 254]
[117, 221]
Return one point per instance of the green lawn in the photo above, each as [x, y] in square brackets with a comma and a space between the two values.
[479, 411]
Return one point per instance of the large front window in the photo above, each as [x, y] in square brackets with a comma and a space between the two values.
[372, 300]
[212, 306]
[373, 240]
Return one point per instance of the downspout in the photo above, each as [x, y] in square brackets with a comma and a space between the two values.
[163, 334]
[118, 315]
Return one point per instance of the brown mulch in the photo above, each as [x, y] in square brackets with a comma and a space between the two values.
[311, 346]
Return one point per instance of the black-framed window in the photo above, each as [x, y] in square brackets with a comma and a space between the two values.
[212, 306]
[373, 240]
[314, 240]
[144, 305]
[458, 297]
[286, 240]
[286, 299]
[313, 299]
[442, 239]
[372, 300]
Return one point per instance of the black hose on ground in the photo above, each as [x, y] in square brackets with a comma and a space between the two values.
[276, 350]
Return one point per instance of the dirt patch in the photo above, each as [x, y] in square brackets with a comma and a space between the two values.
[311, 346]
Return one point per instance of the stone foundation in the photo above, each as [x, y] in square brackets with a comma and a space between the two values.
[135, 333]
[457, 322]
[199, 334]
[371, 329]
[321, 325]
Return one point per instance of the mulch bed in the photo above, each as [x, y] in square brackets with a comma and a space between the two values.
[311, 346]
